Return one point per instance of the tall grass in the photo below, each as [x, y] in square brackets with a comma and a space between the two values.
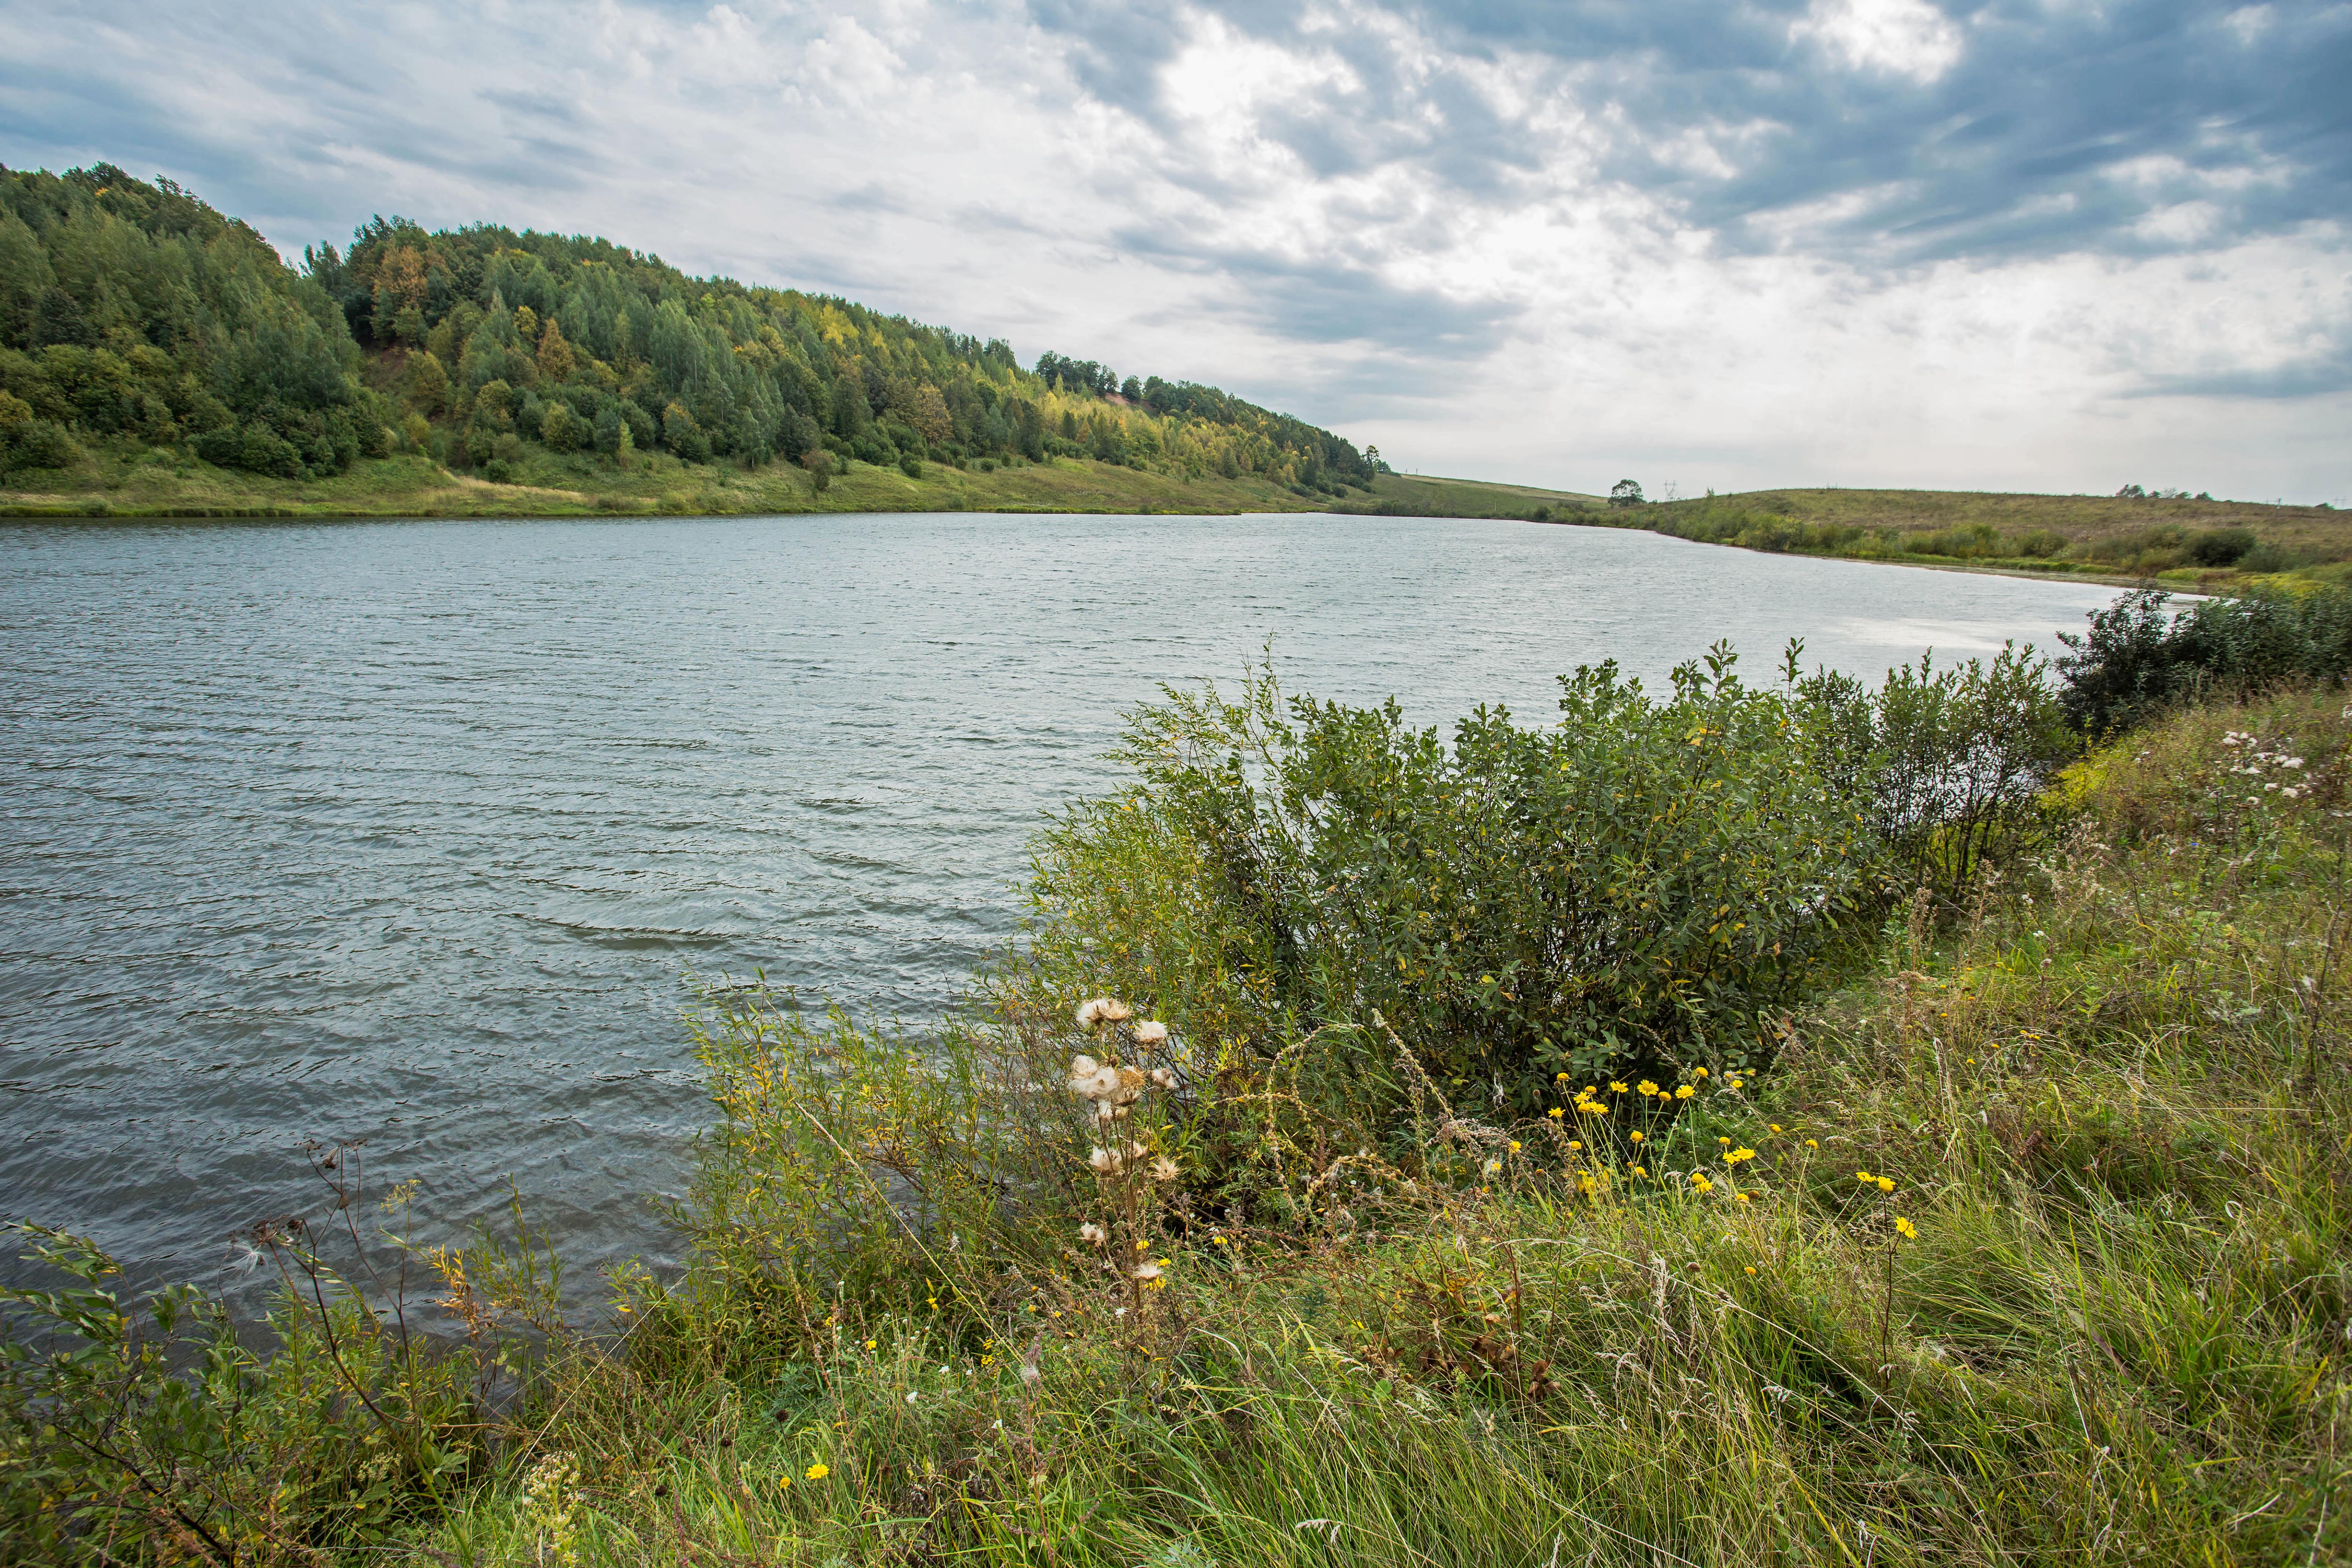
[2019, 1238]
[2090, 1303]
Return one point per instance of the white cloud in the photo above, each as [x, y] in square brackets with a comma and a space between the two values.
[1905, 37]
[2250, 22]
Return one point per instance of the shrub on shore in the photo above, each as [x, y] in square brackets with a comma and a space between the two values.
[2142, 657]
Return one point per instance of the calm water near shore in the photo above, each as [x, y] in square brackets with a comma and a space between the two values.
[413, 831]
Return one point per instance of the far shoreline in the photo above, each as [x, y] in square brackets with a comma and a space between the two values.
[2122, 542]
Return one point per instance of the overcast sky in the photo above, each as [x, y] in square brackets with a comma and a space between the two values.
[2056, 244]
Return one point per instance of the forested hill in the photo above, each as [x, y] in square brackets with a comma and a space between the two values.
[132, 312]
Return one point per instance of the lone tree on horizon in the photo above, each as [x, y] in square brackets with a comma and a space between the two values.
[1625, 492]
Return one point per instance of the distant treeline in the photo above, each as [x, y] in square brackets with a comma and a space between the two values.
[133, 309]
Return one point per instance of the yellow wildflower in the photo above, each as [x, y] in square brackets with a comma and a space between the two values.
[1616, 1088]
[1685, 1092]
[1635, 1136]
[1910, 1232]
[1556, 1113]
[1646, 1087]
[816, 1472]
[1885, 1183]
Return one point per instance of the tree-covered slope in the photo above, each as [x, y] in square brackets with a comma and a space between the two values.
[135, 311]
[132, 312]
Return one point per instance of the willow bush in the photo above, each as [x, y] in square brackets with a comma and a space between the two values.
[1949, 763]
[1650, 879]
[2142, 657]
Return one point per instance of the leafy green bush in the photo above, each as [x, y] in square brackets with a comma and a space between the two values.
[1646, 879]
[149, 1430]
[27, 442]
[1949, 764]
[2141, 656]
[2222, 546]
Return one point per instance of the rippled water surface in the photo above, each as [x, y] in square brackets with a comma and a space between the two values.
[412, 831]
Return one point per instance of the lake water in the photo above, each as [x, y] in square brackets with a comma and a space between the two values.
[412, 831]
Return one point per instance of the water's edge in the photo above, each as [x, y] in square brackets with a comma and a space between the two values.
[413, 832]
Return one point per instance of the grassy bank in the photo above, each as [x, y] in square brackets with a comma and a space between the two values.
[2088, 1306]
[125, 479]
[1581, 1146]
[2197, 544]
[130, 482]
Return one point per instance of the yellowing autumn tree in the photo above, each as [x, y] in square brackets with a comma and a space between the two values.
[556, 361]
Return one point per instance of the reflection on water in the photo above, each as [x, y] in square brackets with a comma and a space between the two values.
[412, 831]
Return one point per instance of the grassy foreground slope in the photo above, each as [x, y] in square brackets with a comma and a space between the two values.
[2033, 1249]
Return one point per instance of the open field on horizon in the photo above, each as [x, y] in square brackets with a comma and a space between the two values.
[2179, 541]
[2082, 518]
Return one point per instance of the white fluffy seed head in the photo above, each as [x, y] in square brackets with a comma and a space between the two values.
[1151, 1033]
